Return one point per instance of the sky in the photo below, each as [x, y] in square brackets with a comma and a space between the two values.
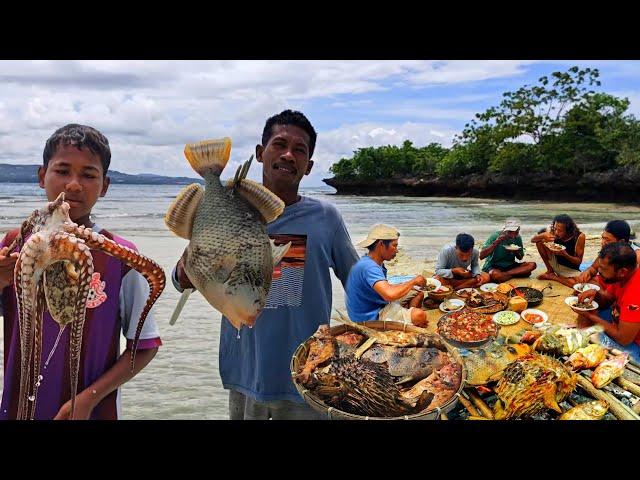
[149, 109]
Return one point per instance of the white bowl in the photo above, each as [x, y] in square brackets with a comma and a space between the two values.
[582, 287]
[534, 311]
[459, 304]
[512, 248]
[508, 317]
[555, 247]
[434, 281]
[489, 287]
[571, 301]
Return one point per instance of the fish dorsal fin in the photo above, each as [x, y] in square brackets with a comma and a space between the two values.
[208, 156]
[278, 251]
[549, 399]
[267, 203]
[179, 217]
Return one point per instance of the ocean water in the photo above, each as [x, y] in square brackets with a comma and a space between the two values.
[183, 381]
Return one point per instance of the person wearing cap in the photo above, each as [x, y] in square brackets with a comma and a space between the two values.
[369, 296]
[566, 262]
[458, 264]
[500, 262]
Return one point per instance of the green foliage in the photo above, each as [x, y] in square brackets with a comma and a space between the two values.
[558, 125]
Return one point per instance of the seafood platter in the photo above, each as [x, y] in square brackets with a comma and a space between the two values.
[377, 371]
[467, 329]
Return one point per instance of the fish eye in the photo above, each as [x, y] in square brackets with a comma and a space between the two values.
[258, 282]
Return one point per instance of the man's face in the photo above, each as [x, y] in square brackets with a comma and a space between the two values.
[77, 173]
[285, 157]
[463, 256]
[607, 238]
[608, 273]
[390, 252]
[512, 233]
[559, 229]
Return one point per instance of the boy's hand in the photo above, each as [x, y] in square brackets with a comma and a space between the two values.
[84, 407]
[461, 272]
[7, 265]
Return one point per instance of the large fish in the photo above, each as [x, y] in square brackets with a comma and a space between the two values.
[487, 364]
[230, 258]
[588, 357]
[609, 370]
[564, 341]
[411, 363]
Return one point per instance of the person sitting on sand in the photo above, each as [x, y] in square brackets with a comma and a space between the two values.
[501, 250]
[458, 264]
[369, 296]
[618, 269]
[565, 262]
[614, 231]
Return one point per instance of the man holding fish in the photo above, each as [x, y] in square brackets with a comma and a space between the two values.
[308, 238]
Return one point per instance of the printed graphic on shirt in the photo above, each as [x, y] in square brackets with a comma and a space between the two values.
[288, 275]
[96, 291]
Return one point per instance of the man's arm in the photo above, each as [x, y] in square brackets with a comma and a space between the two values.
[395, 292]
[622, 332]
[490, 247]
[179, 276]
[442, 263]
[544, 236]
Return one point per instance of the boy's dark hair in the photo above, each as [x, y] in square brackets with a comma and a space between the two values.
[572, 228]
[386, 243]
[620, 255]
[464, 242]
[290, 117]
[619, 229]
[79, 136]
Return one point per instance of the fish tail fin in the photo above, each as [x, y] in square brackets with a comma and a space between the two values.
[208, 156]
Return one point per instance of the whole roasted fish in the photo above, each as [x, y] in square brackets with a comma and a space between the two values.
[410, 363]
[442, 384]
[230, 258]
[594, 410]
[531, 383]
[486, 365]
[609, 370]
[588, 357]
[322, 350]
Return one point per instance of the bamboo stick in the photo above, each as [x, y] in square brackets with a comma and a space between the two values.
[619, 409]
[636, 407]
[467, 404]
[443, 416]
[628, 386]
[477, 401]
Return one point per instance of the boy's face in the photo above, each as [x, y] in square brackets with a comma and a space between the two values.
[285, 157]
[77, 173]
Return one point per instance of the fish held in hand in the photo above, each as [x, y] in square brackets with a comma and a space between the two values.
[230, 258]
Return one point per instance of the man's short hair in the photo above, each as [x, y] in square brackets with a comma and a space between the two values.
[79, 136]
[620, 255]
[290, 117]
[464, 242]
[619, 229]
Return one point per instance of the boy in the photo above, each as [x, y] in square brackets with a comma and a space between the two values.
[75, 161]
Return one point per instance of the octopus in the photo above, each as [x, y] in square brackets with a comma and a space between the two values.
[54, 271]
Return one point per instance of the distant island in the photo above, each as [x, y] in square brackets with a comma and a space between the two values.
[557, 140]
[29, 174]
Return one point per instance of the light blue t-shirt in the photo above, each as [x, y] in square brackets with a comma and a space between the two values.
[299, 300]
[363, 302]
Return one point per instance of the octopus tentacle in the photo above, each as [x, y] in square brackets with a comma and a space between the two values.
[67, 247]
[26, 277]
[147, 267]
[37, 349]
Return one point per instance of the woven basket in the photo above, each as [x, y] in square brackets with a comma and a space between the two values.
[300, 357]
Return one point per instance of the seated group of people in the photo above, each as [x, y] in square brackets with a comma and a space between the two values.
[369, 295]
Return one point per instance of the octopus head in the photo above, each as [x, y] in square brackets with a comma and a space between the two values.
[57, 211]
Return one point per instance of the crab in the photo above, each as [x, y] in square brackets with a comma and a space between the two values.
[54, 271]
